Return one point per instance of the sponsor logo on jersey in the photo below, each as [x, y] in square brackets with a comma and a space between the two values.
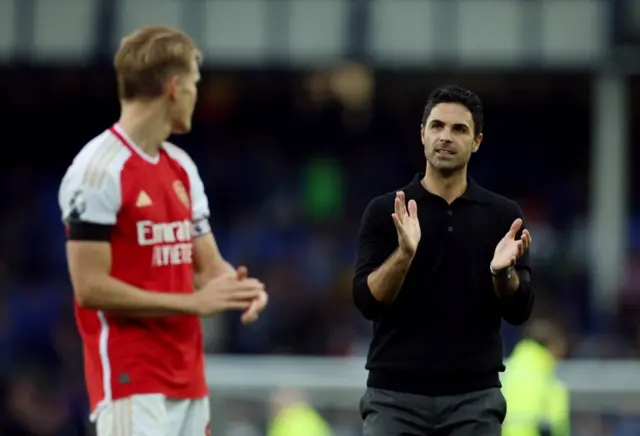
[143, 200]
[171, 242]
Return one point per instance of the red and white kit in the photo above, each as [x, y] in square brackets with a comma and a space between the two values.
[155, 207]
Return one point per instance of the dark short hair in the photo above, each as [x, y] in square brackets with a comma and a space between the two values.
[456, 94]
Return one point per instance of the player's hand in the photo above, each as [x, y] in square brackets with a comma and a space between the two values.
[407, 224]
[510, 249]
[257, 305]
[227, 293]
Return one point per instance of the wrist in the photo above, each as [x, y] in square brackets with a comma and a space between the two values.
[503, 273]
[404, 256]
[187, 304]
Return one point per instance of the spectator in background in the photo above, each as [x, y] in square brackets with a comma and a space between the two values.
[294, 416]
[537, 401]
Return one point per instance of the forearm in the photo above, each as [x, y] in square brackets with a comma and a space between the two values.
[385, 282]
[516, 297]
[114, 296]
[506, 287]
[209, 263]
[209, 272]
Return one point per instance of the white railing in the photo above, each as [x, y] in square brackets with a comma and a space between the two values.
[595, 385]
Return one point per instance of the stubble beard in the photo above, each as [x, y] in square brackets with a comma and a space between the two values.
[447, 170]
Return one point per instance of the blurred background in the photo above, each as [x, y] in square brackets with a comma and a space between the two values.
[307, 110]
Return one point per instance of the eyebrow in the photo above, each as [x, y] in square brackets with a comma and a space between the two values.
[455, 124]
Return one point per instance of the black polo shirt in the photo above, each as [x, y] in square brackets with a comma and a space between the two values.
[441, 335]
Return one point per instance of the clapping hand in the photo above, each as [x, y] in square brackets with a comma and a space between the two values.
[257, 304]
[407, 224]
[510, 249]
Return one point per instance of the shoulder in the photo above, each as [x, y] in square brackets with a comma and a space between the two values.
[382, 203]
[200, 203]
[180, 156]
[100, 160]
[91, 187]
[377, 214]
[503, 205]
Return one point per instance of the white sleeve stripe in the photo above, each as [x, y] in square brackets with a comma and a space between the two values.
[96, 171]
[91, 189]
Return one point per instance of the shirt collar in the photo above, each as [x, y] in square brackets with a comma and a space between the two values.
[473, 193]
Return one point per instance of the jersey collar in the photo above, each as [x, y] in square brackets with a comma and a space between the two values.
[474, 192]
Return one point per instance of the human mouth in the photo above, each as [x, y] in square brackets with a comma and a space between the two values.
[444, 152]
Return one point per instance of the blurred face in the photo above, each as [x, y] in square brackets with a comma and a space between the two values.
[184, 94]
[559, 348]
[448, 137]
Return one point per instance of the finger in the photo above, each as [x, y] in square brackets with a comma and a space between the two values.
[243, 272]
[251, 283]
[251, 314]
[244, 295]
[262, 300]
[398, 206]
[413, 209]
[238, 305]
[517, 224]
[398, 224]
[520, 248]
[403, 203]
[248, 318]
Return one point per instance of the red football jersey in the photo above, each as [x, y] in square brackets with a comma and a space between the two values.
[156, 205]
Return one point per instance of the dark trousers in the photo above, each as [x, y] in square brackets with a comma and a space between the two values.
[390, 413]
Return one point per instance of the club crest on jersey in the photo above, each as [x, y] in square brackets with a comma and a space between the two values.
[181, 192]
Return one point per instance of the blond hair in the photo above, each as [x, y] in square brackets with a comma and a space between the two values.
[148, 57]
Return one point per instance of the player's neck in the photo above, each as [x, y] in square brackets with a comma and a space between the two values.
[146, 125]
[446, 185]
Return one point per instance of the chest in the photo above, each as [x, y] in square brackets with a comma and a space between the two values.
[156, 193]
[466, 230]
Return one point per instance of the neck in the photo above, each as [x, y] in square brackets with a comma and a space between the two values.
[446, 185]
[146, 124]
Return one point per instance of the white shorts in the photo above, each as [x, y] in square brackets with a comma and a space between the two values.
[154, 415]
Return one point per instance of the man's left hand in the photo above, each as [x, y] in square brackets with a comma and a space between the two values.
[510, 249]
[257, 305]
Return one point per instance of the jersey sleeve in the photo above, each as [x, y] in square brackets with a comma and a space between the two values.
[90, 201]
[199, 200]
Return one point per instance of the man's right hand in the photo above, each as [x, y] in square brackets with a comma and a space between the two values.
[226, 292]
[407, 224]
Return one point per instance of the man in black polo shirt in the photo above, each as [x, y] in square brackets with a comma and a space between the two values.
[437, 276]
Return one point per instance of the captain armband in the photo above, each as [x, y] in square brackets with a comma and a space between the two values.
[201, 227]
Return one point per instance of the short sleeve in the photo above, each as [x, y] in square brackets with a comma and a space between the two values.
[90, 197]
[200, 202]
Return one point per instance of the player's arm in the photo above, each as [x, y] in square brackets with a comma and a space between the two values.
[89, 266]
[516, 292]
[90, 199]
[209, 262]
[380, 267]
